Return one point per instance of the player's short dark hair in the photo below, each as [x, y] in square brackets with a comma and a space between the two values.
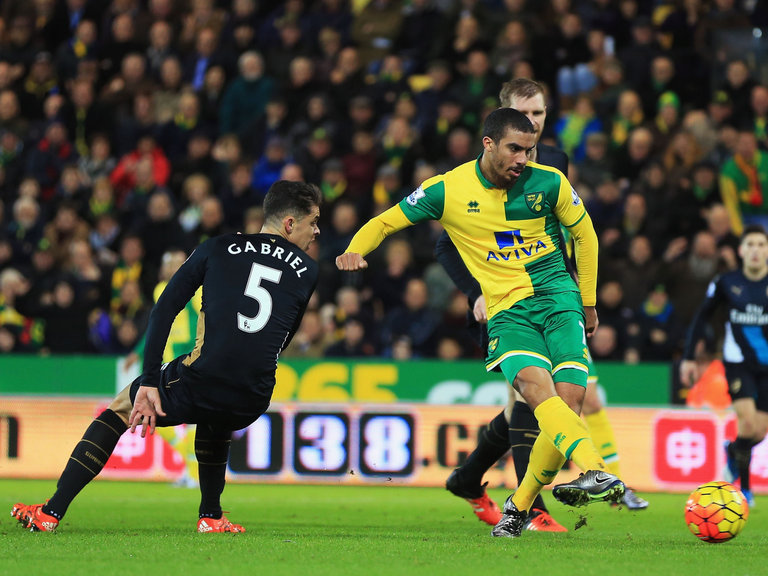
[287, 198]
[502, 119]
[753, 229]
[519, 88]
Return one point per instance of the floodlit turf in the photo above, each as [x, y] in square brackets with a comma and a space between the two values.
[130, 528]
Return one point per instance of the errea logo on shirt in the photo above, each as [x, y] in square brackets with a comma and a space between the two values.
[473, 207]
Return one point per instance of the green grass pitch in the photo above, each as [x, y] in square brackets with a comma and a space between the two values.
[149, 528]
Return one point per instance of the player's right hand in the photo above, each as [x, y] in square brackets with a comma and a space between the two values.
[351, 261]
[479, 310]
[146, 408]
[689, 373]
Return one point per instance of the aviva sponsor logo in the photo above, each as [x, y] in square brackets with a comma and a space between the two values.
[512, 244]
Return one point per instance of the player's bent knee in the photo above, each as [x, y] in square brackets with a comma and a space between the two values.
[121, 405]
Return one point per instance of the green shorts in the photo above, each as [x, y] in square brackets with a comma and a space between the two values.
[545, 330]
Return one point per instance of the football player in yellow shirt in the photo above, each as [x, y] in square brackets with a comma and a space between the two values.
[503, 213]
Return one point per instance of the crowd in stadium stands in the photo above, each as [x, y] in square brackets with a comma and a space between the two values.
[131, 128]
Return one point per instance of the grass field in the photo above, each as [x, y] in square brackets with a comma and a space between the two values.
[128, 528]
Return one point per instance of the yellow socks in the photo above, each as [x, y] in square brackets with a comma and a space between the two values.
[602, 436]
[544, 465]
[568, 433]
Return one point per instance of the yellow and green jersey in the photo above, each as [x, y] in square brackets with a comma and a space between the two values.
[508, 239]
[181, 338]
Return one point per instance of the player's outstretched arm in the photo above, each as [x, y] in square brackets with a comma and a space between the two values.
[369, 237]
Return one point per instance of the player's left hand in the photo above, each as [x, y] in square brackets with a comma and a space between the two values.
[590, 313]
[351, 261]
[146, 409]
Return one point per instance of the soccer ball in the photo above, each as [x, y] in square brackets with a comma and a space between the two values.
[716, 512]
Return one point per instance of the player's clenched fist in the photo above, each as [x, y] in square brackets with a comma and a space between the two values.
[351, 261]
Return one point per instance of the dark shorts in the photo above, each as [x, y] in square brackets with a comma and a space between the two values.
[747, 383]
[183, 403]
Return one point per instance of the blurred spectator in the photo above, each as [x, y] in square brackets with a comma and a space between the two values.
[291, 44]
[686, 276]
[203, 57]
[246, 96]
[120, 91]
[18, 333]
[743, 181]
[238, 194]
[267, 168]
[211, 221]
[719, 225]
[197, 160]
[353, 343]
[570, 55]
[98, 162]
[166, 97]
[360, 170]
[174, 135]
[759, 120]
[313, 155]
[636, 57]
[375, 29]
[595, 167]
[273, 123]
[161, 230]
[83, 44]
[605, 206]
[134, 207]
[347, 77]
[628, 116]
[65, 316]
[660, 332]
[309, 340]
[46, 161]
[575, 126]
[631, 158]
[39, 83]
[160, 46]
[89, 278]
[614, 312]
[637, 273]
[413, 319]
[66, 227]
[25, 229]
[421, 37]
[390, 282]
[738, 85]
[512, 46]
[124, 177]
[196, 188]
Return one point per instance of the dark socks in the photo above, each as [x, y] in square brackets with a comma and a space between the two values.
[523, 431]
[87, 460]
[212, 452]
[492, 445]
[741, 451]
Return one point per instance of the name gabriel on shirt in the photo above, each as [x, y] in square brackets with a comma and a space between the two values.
[273, 251]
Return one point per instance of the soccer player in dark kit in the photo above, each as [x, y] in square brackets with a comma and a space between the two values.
[744, 295]
[255, 290]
